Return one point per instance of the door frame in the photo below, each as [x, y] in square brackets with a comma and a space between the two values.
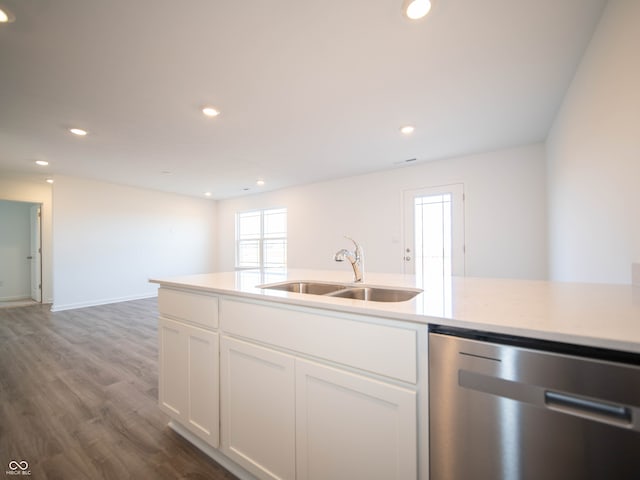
[35, 222]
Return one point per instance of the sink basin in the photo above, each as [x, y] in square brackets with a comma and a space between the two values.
[377, 294]
[313, 288]
[371, 294]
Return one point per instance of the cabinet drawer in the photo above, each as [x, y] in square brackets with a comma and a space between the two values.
[193, 307]
[382, 349]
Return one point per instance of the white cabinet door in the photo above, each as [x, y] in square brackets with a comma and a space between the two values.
[189, 378]
[257, 402]
[173, 382]
[349, 426]
[203, 377]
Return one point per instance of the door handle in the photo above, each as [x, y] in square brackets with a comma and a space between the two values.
[29, 257]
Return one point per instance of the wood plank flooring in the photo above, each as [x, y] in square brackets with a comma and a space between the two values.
[78, 397]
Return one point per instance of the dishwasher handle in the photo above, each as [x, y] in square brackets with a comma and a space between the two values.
[588, 408]
[621, 416]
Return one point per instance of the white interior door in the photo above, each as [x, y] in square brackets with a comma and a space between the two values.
[434, 244]
[35, 254]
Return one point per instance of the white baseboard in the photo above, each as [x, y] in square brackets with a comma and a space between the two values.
[13, 298]
[105, 301]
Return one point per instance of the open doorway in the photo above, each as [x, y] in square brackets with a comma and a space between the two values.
[20, 253]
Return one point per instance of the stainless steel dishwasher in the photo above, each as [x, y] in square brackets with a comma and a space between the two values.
[513, 409]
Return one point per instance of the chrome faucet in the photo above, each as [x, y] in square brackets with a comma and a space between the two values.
[356, 258]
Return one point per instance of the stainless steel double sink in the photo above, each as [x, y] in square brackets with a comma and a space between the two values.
[357, 292]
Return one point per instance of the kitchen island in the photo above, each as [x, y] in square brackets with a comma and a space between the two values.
[275, 384]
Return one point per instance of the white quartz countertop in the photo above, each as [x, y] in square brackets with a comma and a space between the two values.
[597, 315]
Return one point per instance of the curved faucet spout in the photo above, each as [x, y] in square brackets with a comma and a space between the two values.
[342, 255]
[356, 258]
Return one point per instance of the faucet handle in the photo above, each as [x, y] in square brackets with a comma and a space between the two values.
[358, 248]
[354, 242]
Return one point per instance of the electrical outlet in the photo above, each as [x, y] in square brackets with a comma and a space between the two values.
[635, 274]
[1, 283]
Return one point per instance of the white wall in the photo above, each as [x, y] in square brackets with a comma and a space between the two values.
[24, 188]
[506, 231]
[15, 247]
[110, 239]
[594, 157]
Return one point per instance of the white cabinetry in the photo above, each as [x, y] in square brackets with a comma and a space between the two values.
[287, 416]
[275, 391]
[189, 360]
[258, 408]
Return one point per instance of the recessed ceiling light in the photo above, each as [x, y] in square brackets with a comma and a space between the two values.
[42, 163]
[78, 131]
[49, 180]
[407, 129]
[210, 112]
[417, 9]
[260, 182]
[6, 16]
[207, 194]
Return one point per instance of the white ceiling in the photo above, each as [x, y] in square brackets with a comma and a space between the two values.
[309, 90]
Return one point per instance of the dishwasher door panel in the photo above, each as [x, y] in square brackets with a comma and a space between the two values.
[505, 412]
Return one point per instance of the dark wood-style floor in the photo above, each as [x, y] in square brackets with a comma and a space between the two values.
[78, 397]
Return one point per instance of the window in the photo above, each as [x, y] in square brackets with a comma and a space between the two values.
[261, 238]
